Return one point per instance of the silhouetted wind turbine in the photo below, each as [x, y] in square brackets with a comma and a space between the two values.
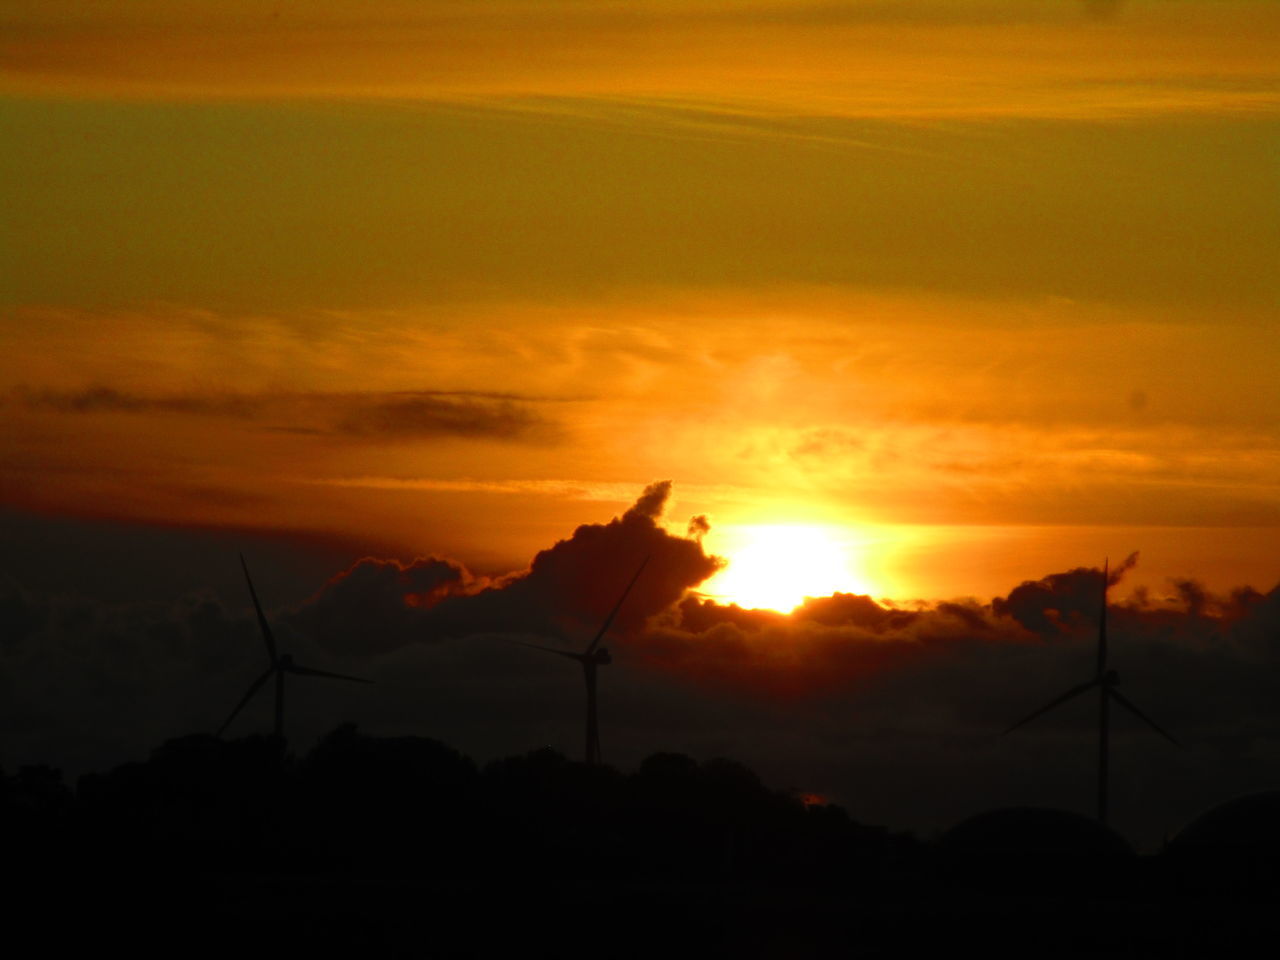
[591, 658]
[280, 665]
[1105, 680]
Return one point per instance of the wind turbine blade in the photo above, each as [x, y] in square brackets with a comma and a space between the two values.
[614, 612]
[1073, 692]
[312, 672]
[1120, 699]
[560, 653]
[1102, 621]
[257, 685]
[262, 620]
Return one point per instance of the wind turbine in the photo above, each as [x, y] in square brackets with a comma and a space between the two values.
[1105, 680]
[593, 657]
[280, 665]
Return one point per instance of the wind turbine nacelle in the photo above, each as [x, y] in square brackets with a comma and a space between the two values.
[602, 657]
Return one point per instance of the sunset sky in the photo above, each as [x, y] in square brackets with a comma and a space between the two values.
[917, 299]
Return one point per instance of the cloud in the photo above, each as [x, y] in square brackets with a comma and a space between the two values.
[1101, 9]
[100, 399]
[893, 711]
[1117, 572]
[377, 605]
[852, 643]
[566, 593]
[1056, 604]
[572, 586]
[420, 415]
[1060, 602]
[20, 615]
[82, 679]
[983, 57]
[398, 415]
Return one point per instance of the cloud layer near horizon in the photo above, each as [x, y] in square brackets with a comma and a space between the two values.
[567, 592]
[842, 689]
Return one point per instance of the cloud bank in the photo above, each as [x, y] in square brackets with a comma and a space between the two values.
[893, 711]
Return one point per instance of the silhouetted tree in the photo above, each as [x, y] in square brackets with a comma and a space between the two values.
[407, 804]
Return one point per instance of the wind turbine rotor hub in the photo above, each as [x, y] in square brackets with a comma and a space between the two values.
[602, 657]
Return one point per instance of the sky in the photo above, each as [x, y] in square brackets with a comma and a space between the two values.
[912, 299]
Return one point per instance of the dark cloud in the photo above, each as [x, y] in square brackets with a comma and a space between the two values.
[20, 615]
[901, 703]
[848, 644]
[101, 399]
[1058, 604]
[378, 605]
[651, 503]
[89, 678]
[699, 616]
[1101, 9]
[418, 415]
[970, 614]
[843, 641]
[565, 594]
[1061, 602]
[895, 713]
[403, 415]
[1116, 572]
[841, 12]
[1193, 596]
[570, 588]
[854, 610]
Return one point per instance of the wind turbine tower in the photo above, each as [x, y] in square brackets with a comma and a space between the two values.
[280, 664]
[1106, 681]
[592, 658]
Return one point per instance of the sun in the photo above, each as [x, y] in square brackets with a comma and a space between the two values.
[775, 566]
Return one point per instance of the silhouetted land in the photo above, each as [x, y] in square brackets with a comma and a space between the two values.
[402, 846]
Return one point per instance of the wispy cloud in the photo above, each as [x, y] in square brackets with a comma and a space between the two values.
[401, 415]
[99, 399]
[581, 490]
[911, 59]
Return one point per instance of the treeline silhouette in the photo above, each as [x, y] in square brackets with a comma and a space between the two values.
[395, 843]
[392, 804]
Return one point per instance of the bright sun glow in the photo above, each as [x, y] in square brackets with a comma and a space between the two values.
[775, 566]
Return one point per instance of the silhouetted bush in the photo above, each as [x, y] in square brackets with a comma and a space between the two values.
[404, 804]
[399, 845]
[35, 807]
[1035, 852]
[1233, 848]
[198, 803]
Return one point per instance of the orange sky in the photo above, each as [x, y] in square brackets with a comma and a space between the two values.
[989, 288]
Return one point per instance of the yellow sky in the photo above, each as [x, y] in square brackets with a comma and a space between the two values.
[996, 278]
